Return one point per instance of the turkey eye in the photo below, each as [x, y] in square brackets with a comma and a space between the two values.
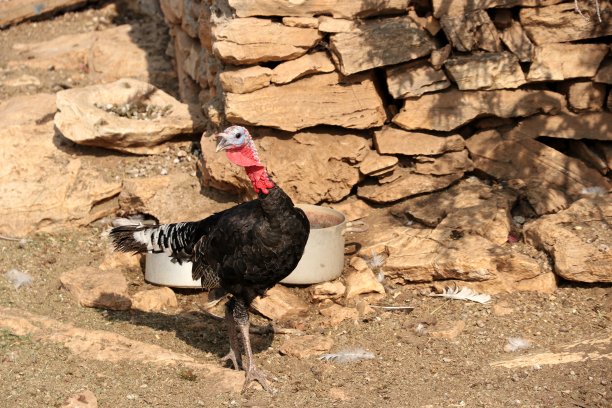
[237, 136]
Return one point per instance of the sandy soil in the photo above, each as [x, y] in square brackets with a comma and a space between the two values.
[410, 368]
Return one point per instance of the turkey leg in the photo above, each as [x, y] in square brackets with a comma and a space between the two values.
[234, 354]
[241, 317]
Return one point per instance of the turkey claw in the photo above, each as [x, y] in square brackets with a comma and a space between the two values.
[235, 360]
[254, 374]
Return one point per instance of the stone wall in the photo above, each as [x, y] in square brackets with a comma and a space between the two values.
[389, 99]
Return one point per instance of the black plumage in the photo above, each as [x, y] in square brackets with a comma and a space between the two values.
[245, 250]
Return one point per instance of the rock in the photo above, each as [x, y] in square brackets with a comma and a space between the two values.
[439, 56]
[380, 42]
[243, 41]
[303, 22]
[308, 64]
[424, 255]
[27, 110]
[556, 62]
[375, 163]
[397, 141]
[300, 163]
[482, 210]
[170, 198]
[337, 25]
[337, 8]
[336, 314]
[560, 23]
[408, 183]
[361, 280]
[306, 346]
[120, 260]
[448, 163]
[353, 208]
[82, 121]
[457, 7]
[173, 10]
[449, 110]
[338, 394]
[415, 79]
[485, 71]
[245, 80]
[16, 11]
[577, 239]
[502, 309]
[279, 303]
[328, 290]
[506, 159]
[23, 80]
[45, 189]
[100, 345]
[517, 41]
[107, 55]
[154, 300]
[594, 125]
[324, 99]
[428, 22]
[586, 95]
[449, 330]
[95, 288]
[471, 31]
[83, 399]
[604, 73]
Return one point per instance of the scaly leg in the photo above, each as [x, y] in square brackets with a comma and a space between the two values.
[234, 354]
[241, 317]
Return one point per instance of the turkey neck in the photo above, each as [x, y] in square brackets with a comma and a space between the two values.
[275, 204]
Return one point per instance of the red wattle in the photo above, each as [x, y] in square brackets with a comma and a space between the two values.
[259, 179]
[242, 158]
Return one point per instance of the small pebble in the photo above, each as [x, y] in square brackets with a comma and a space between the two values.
[163, 172]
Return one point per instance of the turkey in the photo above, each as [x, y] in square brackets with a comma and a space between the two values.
[244, 250]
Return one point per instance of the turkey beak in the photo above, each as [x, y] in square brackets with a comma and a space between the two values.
[223, 143]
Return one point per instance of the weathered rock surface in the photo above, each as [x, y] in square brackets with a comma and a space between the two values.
[471, 31]
[560, 23]
[604, 73]
[301, 164]
[172, 198]
[245, 80]
[328, 290]
[449, 330]
[80, 120]
[577, 239]
[556, 62]
[336, 314]
[439, 56]
[154, 300]
[354, 208]
[423, 255]
[306, 346]
[336, 25]
[280, 303]
[517, 41]
[314, 63]
[102, 345]
[451, 109]
[485, 71]
[503, 158]
[16, 11]
[95, 288]
[391, 140]
[375, 163]
[46, 188]
[324, 99]
[337, 8]
[586, 96]
[244, 41]
[458, 7]
[361, 280]
[304, 22]
[407, 183]
[108, 55]
[380, 42]
[415, 79]
[448, 163]
[593, 125]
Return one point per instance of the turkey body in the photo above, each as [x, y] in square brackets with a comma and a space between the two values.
[245, 250]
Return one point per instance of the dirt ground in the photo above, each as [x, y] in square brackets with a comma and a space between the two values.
[410, 368]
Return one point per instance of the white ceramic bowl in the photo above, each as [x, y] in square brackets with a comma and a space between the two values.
[323, 258]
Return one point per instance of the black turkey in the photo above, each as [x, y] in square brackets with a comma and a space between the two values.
[245, 249]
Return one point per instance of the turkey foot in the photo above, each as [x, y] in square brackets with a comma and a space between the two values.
[254, 374]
